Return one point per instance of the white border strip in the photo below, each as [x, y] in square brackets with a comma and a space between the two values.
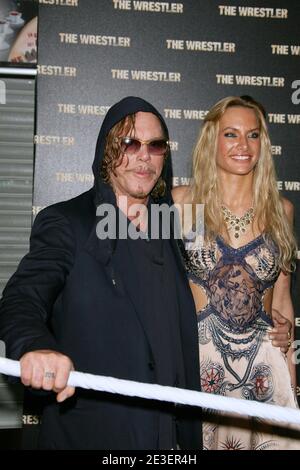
[18, 71]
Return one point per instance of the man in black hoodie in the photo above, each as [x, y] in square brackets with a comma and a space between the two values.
[112, 306]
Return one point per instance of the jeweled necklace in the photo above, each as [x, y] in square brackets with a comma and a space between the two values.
[235, 223]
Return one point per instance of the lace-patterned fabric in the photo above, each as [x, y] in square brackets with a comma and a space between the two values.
[236, 356]
[234, 279]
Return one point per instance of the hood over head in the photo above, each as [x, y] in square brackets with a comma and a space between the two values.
[128, 105]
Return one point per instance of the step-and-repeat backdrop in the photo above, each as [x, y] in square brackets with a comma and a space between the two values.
[182, 57]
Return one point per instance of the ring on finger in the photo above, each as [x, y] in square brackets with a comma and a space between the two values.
[49, 375]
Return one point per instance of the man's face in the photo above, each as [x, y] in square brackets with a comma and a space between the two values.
[137, 174]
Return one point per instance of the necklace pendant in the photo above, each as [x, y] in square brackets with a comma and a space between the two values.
[235, 223]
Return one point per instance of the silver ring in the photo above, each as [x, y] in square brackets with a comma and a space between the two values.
[49, 375]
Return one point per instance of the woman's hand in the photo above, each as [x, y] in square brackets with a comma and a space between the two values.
[282, 331]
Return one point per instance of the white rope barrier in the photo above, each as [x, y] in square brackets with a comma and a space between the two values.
[171, 394]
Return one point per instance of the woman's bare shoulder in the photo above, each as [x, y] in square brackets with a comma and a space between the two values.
[181, 194]
[288, 208]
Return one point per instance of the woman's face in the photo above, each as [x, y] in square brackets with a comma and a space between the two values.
[238, 146]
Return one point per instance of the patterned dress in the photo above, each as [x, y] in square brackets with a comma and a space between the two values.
[236, 355]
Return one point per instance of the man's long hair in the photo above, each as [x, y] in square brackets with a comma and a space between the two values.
[113, 154]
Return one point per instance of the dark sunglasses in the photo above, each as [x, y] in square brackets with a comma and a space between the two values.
[131, 146]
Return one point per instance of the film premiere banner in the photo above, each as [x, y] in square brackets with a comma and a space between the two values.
[182, 57]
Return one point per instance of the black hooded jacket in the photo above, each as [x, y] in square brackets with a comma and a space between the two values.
[119, 308]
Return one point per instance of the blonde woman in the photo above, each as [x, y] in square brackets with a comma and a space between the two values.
[240, 276]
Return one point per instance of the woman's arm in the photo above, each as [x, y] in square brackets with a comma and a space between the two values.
[282, 301]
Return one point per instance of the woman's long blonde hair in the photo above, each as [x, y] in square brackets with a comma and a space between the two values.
[269, 211]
